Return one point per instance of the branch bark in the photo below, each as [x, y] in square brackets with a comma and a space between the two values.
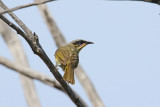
[18, 53]
[24, 6]
[30, 73]
[60, 41]
[34, 75]
[33, 41]
[151, 1]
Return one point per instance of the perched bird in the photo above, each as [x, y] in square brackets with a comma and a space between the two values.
[67, 57]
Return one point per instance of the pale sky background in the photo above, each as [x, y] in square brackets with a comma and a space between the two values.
[123, 64]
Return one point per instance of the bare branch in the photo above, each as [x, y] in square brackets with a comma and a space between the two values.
[33, 41]
[30, 73]
[151, 1]
[33, 74]
[60, 41]
[19, 56]
[24, 6]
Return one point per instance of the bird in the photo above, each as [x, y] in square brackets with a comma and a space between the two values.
[67, 57]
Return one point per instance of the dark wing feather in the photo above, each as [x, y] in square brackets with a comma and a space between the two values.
[74, 60]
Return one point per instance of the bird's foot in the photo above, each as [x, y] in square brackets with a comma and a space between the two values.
[57, 67]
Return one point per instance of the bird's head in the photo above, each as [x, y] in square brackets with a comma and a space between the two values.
[79, 44]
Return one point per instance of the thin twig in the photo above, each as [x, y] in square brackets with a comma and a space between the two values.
[33, 41]
[26, 5]
[60, 41]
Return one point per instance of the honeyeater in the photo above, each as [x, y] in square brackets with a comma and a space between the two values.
[67, 57]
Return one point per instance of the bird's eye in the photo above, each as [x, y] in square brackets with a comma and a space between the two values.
[81, 42]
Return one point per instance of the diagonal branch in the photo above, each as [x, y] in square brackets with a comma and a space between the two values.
[33, 74]
[33, 41]
[30, 73]
[60, 41]
[24, 6]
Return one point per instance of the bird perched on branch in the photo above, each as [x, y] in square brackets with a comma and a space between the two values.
[67, 57]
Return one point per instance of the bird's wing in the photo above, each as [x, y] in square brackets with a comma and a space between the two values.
[63, 55]
[66, 56]
[74, 59]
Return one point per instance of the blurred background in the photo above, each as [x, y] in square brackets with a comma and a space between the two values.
[123, 64]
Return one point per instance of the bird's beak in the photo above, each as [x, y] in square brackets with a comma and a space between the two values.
[88, 42]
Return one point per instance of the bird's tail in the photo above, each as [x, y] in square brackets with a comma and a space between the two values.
[69, 74]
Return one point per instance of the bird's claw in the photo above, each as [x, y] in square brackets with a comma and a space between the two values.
[57, 67]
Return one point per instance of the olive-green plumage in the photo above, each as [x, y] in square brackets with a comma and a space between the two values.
[67, 57]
